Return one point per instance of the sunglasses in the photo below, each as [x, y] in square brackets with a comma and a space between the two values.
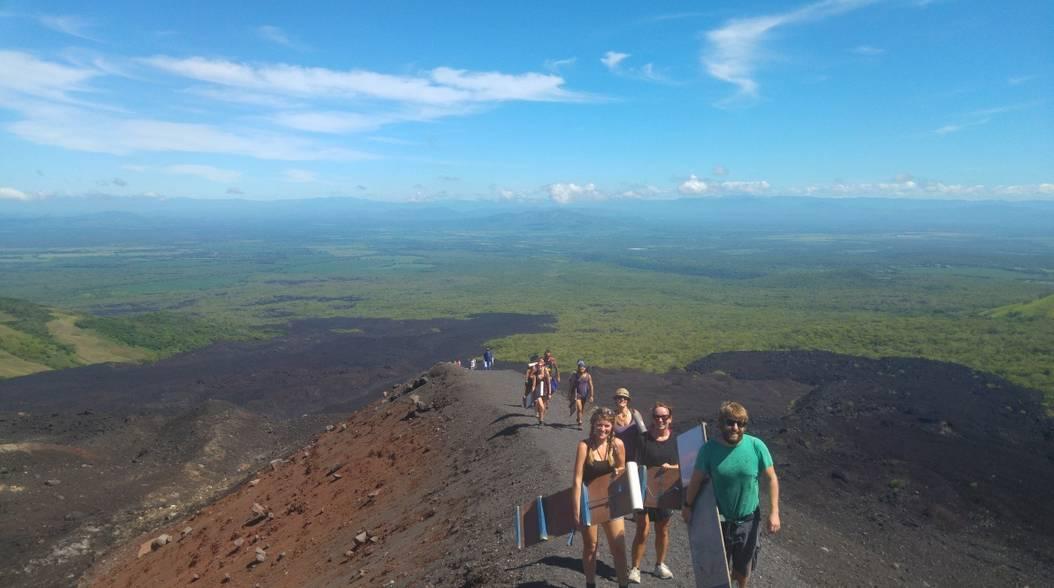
[661, 417]
[619, 398]
[733, 422]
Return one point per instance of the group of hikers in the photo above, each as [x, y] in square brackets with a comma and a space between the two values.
[542, 381]
[732, 461]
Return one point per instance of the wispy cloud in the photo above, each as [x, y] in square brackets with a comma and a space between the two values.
[276, 35]
[7, 193]
[907, 186]
[733, 51]
[301, 176]
[555, 65]
[69, 24]
[440, 86]
[1018, 80]
[868, 50]
[612, 59]
[24, 74]
[208, 172]
[695, 186]
[982, 116]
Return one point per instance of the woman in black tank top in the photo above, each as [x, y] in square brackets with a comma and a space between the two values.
[601, 454]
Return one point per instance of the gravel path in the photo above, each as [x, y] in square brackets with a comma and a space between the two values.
[545, 456]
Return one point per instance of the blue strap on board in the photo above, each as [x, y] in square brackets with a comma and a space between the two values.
[518, 528]
[584, 507]
[643, 482]
[543, 532]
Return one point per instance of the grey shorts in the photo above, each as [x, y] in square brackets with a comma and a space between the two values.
[742, 543]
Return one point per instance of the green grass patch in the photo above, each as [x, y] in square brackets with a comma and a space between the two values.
[166, 333]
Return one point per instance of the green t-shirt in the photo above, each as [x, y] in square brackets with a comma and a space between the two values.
[734, 472]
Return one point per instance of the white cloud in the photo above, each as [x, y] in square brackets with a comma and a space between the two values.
[906, 186]
[82, 130]
[23, 74]
[68, 24]
[441, 86]
[302, 176]
[565, 193]
[693, 185]
[208, 172]
[747, 187]
[612, 59]
[868, 50]
[12, 194]
[733, 51]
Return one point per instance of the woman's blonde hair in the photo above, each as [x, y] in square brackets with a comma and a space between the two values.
[603, 413]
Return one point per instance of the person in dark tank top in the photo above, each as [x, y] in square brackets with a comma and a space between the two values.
[600, 454]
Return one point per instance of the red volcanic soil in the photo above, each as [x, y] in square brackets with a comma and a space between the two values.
[93, 456]
[893, 472]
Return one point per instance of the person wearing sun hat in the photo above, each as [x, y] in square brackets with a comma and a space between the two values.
[629, 425]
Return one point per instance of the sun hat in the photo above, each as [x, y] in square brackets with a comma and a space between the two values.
[624, 393]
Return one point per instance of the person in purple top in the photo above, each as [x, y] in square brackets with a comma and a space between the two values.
[629, 425]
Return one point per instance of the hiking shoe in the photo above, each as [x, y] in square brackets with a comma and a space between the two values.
[634, 575]
[661, 571]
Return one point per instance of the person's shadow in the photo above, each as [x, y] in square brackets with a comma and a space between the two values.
[573, 564]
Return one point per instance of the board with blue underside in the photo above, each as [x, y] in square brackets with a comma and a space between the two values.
[603, 499]
[709, 563]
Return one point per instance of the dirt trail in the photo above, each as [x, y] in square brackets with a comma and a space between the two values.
[432, 474]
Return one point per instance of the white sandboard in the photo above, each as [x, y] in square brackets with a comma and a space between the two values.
[709, 564]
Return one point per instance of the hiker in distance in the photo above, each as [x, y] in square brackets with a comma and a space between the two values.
[657, 449]
[733, 461]
[600, 454]
[581, 391]
[629, 425]
[554, 372]
[537, 388]
[488, 359]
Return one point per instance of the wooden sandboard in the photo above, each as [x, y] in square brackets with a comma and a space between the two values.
[603, 499]
[661, 489]
[709, 563]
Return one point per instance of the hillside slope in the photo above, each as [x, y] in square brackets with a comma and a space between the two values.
[418, 489]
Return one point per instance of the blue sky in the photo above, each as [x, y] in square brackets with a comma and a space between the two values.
[542, 100]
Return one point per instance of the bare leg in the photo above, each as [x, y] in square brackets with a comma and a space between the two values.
[742, 580]
[662, 539]
[640, 538]
[617, 541]
[579, 407]
[589, 554]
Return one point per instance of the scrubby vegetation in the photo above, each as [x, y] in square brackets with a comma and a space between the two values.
[625, 291]
[165, 333]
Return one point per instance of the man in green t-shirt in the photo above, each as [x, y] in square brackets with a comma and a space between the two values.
[734, 461]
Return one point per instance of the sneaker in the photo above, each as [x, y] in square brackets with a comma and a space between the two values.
[661, 571]
[634, 575]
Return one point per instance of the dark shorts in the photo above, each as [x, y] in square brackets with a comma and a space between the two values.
[741, 543]
[658, 515]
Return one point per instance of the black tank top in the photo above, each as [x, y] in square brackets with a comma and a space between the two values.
[593, 469]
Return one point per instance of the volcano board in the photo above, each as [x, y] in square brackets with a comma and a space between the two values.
[709, 562]
[605, 498]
